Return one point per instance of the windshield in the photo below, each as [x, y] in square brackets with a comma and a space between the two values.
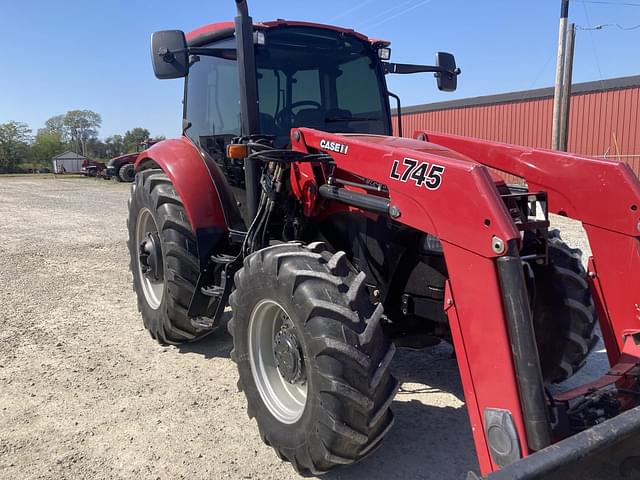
[323, 79]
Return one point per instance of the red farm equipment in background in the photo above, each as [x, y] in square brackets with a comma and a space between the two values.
[121, 167]
[93, 168]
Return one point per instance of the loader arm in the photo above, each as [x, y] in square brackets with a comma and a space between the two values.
[604, 195]
[485, 297]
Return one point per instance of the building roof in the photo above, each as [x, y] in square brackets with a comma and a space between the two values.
[526, 95]
[69, 155]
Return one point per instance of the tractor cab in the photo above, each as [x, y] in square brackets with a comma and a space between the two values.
[300, 74]
[320, 78]
[310, 75]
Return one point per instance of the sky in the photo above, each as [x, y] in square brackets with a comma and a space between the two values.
[85, 54]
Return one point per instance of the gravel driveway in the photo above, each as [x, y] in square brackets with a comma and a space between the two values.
[86, 393]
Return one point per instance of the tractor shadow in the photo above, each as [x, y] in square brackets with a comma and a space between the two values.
[431, 438]
[218, 344]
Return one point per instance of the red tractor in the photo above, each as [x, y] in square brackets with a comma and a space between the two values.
[93, 168]
[288, 198]
[122, 167]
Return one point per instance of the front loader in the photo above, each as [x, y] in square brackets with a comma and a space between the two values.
[288, 199]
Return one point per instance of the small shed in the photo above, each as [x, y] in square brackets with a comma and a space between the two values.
[68, 162]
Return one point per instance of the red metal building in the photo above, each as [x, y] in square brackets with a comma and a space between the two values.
[604, 118]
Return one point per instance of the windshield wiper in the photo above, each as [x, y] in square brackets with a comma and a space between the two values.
[351, 119]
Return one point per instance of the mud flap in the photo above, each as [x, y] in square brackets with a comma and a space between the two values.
[610, 450]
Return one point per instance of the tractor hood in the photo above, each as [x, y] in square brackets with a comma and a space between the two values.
[418, 145]
[130, 157]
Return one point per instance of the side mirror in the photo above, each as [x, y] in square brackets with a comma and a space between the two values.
[447, 79]
[169, 54]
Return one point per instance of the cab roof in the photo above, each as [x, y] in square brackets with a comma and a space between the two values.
[216, 31]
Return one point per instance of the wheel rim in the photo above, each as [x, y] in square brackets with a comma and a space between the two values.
[150, 264]
[277, 362]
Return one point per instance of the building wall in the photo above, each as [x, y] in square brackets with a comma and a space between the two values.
[71, 165]
[602, 123]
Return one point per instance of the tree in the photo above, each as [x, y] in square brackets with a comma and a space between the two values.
[82, 126]
[97, 149]
[133, 137]
[55, 126]
[46, 145]
[14, 145]
[115, 146]
[51, 140]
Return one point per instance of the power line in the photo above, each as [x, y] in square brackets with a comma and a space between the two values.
[346, 12]
[602, 2]
[593, 43]
[544, 67]
[406, 10]
[605, 25]
[384, 12]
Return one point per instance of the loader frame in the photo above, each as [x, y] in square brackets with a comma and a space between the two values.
[491, 325]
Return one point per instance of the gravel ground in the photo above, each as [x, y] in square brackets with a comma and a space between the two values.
[86, 393]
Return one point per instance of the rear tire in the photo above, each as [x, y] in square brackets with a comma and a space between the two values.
[163, 303]
[127, 172]
[564, 315]
[342, 351]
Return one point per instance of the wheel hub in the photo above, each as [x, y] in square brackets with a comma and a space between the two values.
[288, 355]
[150, 253]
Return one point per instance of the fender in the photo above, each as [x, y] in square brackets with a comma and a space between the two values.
[185, 167]
[207, 198]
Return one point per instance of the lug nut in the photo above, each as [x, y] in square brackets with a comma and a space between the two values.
[394, 211]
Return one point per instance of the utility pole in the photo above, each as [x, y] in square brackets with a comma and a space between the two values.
[562, 40]
[566, 89]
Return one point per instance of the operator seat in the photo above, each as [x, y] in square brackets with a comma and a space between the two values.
[311, 117]
[268, 124]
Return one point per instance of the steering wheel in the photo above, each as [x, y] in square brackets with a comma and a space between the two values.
[285, 117]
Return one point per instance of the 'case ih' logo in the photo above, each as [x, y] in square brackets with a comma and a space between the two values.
[334, 146]
[420, 173]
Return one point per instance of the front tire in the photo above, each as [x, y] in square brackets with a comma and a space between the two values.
[312, 356]
[163, 258]
[127, 173]
[564, 314]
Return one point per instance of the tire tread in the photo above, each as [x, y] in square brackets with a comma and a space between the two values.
[343, 328]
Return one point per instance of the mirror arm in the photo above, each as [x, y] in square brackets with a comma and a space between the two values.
[404, 68]
[224, 53]
[169, 55]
